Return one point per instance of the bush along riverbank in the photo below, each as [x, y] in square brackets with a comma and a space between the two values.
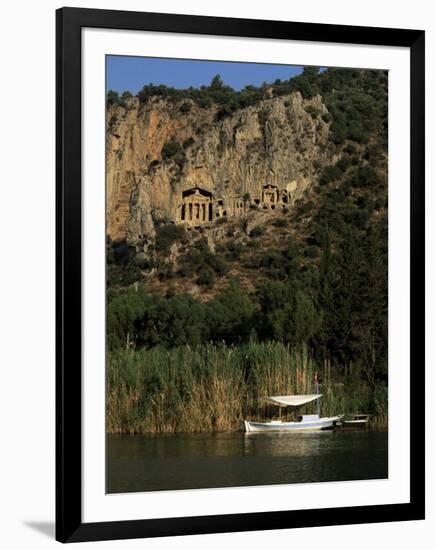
[213, 388]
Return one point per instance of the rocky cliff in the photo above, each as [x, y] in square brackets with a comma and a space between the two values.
[174, 162]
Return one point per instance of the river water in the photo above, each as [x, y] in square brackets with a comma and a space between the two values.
[193, 461]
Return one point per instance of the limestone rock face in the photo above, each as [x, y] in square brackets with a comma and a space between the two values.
[262, 157]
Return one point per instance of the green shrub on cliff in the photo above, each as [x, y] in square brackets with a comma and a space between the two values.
[168, 234]
[170, 149]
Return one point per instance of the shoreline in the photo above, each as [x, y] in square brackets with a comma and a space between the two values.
[214, 388]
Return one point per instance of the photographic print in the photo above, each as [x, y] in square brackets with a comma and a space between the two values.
[247, 274]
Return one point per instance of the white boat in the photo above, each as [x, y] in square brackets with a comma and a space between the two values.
[356, 421]
[305, 422]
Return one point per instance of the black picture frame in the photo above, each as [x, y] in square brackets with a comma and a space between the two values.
[69, 525]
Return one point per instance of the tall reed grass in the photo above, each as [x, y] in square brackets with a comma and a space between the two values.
[215, 387]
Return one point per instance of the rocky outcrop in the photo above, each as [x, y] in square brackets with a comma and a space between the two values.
[262, 157]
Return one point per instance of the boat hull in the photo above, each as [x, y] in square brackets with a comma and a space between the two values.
[312, 425]
[353, 424]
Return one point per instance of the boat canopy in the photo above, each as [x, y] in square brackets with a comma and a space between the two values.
[291, 400]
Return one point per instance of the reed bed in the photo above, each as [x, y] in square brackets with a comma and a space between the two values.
[215, 387]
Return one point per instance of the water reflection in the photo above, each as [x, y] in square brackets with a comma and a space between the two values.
[282, 444]
[189, 461]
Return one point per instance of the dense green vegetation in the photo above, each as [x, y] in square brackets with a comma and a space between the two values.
[216, 387]
[114, 99]
[166, 235]
[338, 310]
[322, 294]
[356, 99]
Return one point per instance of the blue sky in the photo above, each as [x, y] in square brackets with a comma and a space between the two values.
[131, 73]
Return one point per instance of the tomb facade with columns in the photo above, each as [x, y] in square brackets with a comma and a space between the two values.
[198, 206]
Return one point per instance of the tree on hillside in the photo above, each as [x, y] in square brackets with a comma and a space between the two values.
[112, 98]
[372, 324]
[306, 319]
[326, 298]
[216, 82]
[310, 72]
[276, 301]
[230, 315]
[348, 298]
